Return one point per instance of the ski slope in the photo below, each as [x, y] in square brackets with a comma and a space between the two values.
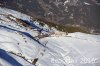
[20, 45]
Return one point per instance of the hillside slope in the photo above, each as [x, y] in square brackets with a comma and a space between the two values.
[22, 40]
[82, 13]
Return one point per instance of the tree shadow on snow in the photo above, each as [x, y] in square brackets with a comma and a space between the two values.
[5, 56]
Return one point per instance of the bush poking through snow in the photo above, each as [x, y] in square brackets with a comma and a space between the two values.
[34, 61]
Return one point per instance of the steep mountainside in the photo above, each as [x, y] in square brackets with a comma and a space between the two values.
[81, 13]
[27, 42]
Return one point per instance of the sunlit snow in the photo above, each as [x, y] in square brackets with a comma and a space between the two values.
[20, 45]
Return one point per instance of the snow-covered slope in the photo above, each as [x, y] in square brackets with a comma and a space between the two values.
[22, 40]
